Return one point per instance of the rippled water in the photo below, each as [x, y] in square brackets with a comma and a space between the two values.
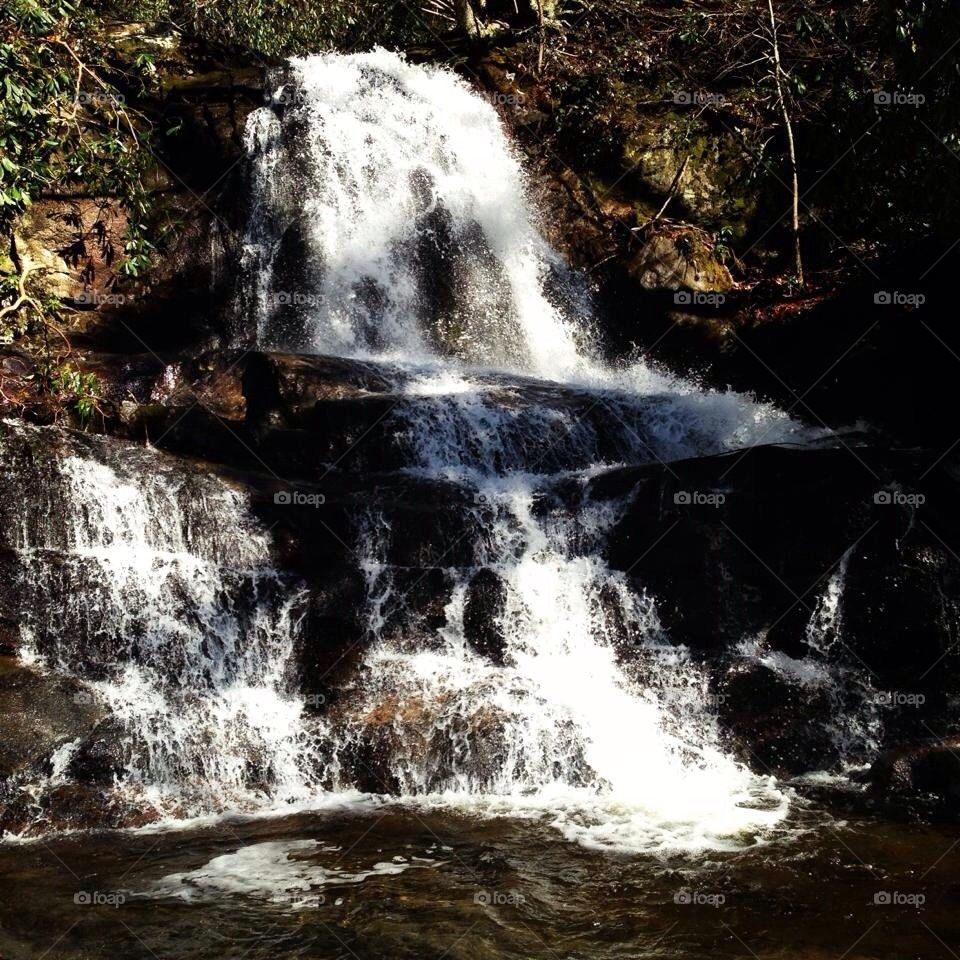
[384, 881]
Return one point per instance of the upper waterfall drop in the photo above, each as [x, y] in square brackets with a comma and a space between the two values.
[388, 219]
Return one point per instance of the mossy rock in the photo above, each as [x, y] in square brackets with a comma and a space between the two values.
[679, 258]
[714, 188]
[633, 140]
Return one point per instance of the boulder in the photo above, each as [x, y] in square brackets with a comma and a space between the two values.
[41, 712]
[775, 725]
[923, 777]
[101, 759]
[71, 247]
[680, 259]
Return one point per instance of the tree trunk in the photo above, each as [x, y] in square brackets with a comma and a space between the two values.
[791, 148]
[467, 19]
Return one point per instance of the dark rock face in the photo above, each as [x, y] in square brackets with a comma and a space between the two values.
[743, 539]
[366, 762]
[100, 759]
[749, 537]
[331, 638]
[779, 727]
[483, 615]
[841, 561]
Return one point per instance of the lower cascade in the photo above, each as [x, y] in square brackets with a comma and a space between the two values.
[515, 671]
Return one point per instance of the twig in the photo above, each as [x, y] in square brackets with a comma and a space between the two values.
[543, 35]
[674, 184]
[25, 299]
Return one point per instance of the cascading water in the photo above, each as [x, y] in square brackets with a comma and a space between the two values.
[156, 586]
[411, 238]
[389, 223]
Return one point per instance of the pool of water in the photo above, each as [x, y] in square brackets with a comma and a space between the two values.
[386, 881]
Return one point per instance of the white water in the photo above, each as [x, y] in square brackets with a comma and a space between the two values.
[395, 179]
[623, 758]
[157, 586]
[292, 874]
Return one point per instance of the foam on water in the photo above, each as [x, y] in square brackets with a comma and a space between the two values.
[291, 874]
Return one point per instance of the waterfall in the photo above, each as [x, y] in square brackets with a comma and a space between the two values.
[579, 707]
[388, 221]
[155, 585]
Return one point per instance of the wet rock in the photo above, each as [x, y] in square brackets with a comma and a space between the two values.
[40, 713]
[366, 762]
[405, 744]
[10, 601]
[775, 726]
[410, 605]
[331, 639]
[732, 545]
[101, 758]
[483, 614]
[74, 806]
[902, 614]
[748, 546]
[922, 778]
